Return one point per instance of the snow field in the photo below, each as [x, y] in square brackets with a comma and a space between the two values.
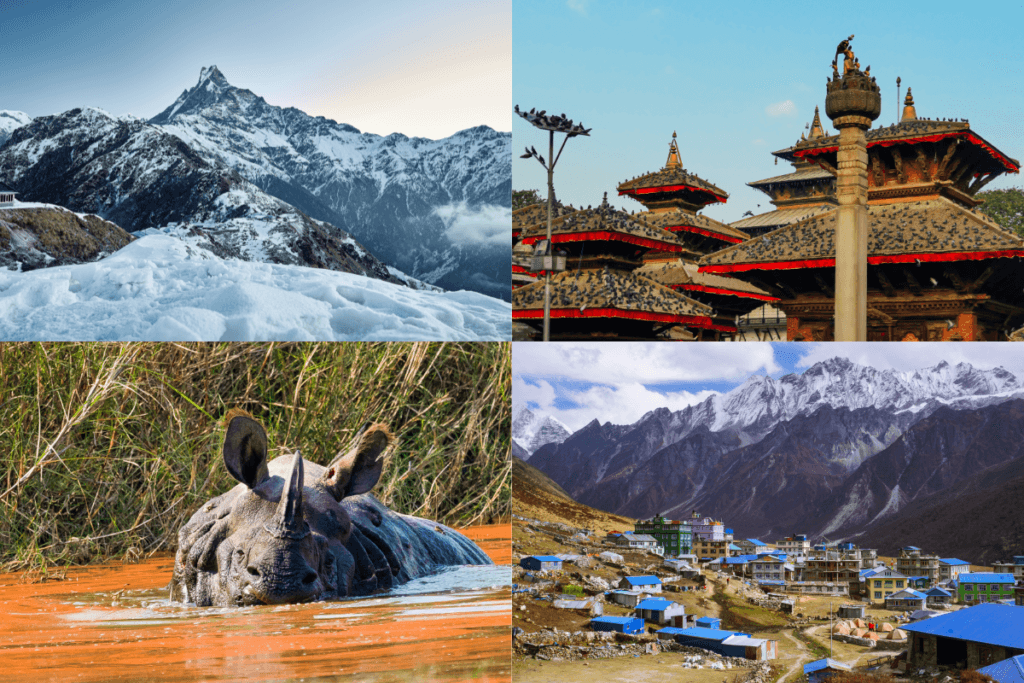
[158, 289]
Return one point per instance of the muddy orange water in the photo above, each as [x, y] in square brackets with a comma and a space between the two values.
[114, 622]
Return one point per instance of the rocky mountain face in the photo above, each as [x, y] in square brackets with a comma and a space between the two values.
[40, 236]
[815, 453]
[138, 176]
[423, 206]
[9, 120]
[532, 429]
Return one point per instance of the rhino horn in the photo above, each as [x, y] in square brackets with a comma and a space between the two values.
[358, 470]
[288, 519]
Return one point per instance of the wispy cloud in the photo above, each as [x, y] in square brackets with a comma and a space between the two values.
[580, 6]
[488, 225]
[786, 108]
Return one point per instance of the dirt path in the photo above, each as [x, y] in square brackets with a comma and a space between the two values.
[801, 659]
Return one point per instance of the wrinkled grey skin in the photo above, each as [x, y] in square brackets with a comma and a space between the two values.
[294, 531]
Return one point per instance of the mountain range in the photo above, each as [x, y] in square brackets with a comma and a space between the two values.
[230, 173]
[832, 452]
[532, 429]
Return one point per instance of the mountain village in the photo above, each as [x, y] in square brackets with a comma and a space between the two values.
[691, 592]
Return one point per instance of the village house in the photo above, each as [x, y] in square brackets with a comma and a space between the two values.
[662, 611]
[912, 562]
[823, 668]
[984, 587]
[1016, 567]
[796, 547]
[626, 598]
[937, 597]
[818, 588]
[650, 584]
[752, 546]
[671, 534]
[7, 196]
[906, 599]
[768, 568]
[835, 563]
[884, 583]
[618, 624]
[951, 567]
[628, 539]
[541, 563]
[968, 638]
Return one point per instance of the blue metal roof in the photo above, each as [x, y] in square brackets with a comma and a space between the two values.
[656, 604]
[733, 546]
[709, 633]
[905, 594]
[613, 620]
[985, 577]
[988, 623]
[952, 560]
[671, 630]
[939, 591]
[546, 558]
[825, 664]
[772, 582]
[642, 580]
[1007, 671]
[755, 541]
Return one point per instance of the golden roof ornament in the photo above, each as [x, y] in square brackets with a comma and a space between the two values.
[816, 130]
[674, 160]
[909, 112]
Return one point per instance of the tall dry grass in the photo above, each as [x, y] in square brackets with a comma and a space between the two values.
[106, 449]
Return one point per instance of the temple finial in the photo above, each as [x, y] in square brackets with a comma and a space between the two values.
[816, 130]
[674, 161]
[909, 113]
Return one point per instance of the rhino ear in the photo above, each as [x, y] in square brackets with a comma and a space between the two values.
[358, 470]
[245, 449]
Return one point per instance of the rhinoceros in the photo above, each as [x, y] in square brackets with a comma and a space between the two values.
[293, 531]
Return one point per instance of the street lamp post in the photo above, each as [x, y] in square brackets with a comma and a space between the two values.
[553, 124]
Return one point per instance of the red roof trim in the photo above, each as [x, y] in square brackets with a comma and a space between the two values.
[872, 260]
[966, 134]
[608, 312]
[722, 290]
[672, 188]
[522, 269]
[706, 232]
[608, 236]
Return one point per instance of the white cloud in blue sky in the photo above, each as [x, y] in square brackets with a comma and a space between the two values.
[620, 382]
[709, 70]
[784, 108]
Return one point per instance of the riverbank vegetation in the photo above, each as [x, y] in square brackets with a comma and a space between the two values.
[106, 449]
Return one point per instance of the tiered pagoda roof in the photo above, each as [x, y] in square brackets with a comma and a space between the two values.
[684, 276]
[932, 230]
[601, 296]
[673, 185]
[536, 213]
[680, 221]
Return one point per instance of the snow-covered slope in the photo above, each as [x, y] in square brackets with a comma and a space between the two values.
[160, 288]
[139, 176]
[9, 120]
[532, 429]
[424, 206]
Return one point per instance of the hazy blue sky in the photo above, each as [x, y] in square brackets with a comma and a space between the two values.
[620, 382]
[738, 80]
[420, 68]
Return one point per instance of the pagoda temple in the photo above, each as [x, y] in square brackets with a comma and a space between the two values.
[937, 268]
[522, 254]
[808, 190]
[673, 196]
[600, 295]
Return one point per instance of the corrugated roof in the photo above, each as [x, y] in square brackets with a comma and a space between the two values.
[906, 593]
[545, 558]
[985, 577]
[952, 561]
[782, 216]
[709, 633]
[656, 604]
[825, 664]
[744, 641]
[1007, 671]
[896, 233]
[642, 580]
[988, 623]
[810, 173]
[671, 630]
[614, 620]
[939, 592]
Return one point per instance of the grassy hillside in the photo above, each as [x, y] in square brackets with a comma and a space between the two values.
[109, 448]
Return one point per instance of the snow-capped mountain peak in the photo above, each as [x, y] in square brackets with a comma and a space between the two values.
[532, 429]
[387, 191]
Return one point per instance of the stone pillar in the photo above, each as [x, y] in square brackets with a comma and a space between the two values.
[851, 238]
[853, 102]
